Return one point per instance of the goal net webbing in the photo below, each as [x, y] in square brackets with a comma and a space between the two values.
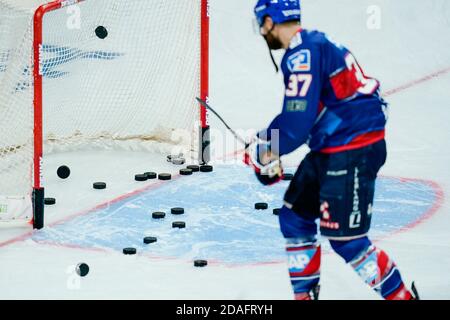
[113, 72]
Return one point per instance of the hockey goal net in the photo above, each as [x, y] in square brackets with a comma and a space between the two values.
[98, 73]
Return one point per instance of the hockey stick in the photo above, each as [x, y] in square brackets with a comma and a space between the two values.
[238, 137]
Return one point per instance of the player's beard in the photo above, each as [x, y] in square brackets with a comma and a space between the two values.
[273, 42]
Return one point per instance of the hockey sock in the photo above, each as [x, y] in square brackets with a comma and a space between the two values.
[304, 266]
[375, 267]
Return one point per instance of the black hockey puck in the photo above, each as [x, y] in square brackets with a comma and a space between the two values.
[101, 32]
[206, 168]
[177, 211]
[288, 177]
[129, 251]
[148, 240]
[200, 263]
[172, 157]
[141, 177]
[179, 224]
[193, 168]
[49, 201]
[82, 269]
[151, 175]
[186, 172]
[179, 161]
[63, 172]
[164, 176]
[276, 211]
[99, 185]
[158, 215]
[261, 206]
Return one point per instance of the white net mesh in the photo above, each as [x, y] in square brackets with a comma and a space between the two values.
[135, 88]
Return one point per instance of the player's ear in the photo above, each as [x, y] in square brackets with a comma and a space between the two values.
[267, 26]
[269, 23]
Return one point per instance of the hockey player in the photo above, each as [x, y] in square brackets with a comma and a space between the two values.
[334, 108]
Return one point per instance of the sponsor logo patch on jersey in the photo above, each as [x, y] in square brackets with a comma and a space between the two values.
[296, 105]
[300, 61]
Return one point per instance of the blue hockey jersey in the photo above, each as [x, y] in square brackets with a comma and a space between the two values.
[329, 103]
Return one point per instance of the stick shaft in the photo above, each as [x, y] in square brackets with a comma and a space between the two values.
[207, 106]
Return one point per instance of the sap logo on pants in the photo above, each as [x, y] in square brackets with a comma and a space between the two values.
[298, 261]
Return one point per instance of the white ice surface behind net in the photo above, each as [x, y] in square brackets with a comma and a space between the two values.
[412, 43]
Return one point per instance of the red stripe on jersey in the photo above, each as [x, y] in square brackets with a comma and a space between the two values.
[345, 84]
[360, 141]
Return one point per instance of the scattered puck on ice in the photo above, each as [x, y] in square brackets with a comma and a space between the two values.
[288, 177]
[63, 172]
[151, 175]
[172, 157]
[261, 206]
[206, 168]
[177, 211]
[200, 263]
[193, 168]
[141, 177]
[179, 225]
[129, 251]
[186, 172]
[164, 176]
[276, 211]
[179, 161]
[82, 269]
[148, 240]
[49, 201]
[158, 215]
[99, 185]
[101, 32]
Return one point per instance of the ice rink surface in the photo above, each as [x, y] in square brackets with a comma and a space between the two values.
[408, 53]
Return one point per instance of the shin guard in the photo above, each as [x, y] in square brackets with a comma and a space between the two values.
[376, 268]
[304, 259]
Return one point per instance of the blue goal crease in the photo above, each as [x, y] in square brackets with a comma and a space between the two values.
[221, 222]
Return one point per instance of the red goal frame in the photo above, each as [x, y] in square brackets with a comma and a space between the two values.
[38, 190]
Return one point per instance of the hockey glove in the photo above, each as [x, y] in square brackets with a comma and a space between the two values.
[267, 166]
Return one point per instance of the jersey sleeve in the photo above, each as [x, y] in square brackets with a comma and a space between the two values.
[303, 83]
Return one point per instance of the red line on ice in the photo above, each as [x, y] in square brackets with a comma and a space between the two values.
[417, 82]
[438, 203]
[86, 212]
